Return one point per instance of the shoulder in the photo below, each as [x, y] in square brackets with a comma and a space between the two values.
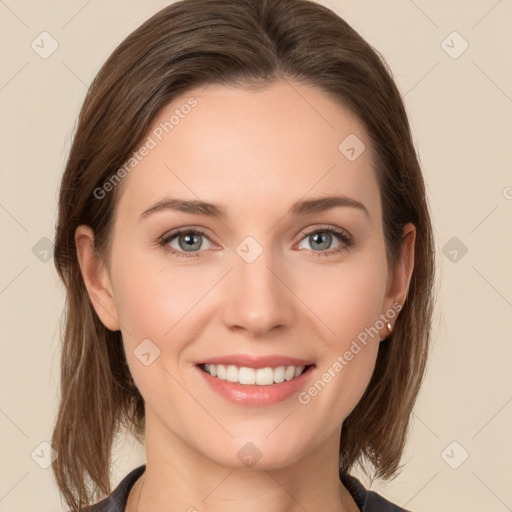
[368, 501]
[378, 504]
[116, 501]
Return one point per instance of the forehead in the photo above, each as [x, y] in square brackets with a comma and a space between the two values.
[245, 147]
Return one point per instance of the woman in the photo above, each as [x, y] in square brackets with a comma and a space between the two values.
[246, 245]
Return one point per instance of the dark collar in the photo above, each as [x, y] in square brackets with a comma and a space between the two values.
[356, 489]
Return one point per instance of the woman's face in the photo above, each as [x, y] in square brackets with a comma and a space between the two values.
[270, 277]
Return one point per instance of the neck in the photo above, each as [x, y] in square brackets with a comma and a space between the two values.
[178, 478]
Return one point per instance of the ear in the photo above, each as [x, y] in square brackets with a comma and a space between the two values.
[96, 278]
[398, 283]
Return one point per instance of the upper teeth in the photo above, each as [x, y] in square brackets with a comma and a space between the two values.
[260, 376]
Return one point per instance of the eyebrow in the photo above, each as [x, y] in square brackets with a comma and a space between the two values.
[301, 207]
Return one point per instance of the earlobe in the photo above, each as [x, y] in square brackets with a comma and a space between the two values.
[96, 278]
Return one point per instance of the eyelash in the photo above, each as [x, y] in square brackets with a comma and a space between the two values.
[342, 235]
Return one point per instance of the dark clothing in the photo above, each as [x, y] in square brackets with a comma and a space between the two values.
[367, 501]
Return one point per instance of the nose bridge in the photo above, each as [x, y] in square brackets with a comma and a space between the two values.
[257, 300]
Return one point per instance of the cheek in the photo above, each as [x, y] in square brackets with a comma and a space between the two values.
[350, 299]
[157, 304]
[151, 299]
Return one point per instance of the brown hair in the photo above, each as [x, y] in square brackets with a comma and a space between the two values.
[244, 42]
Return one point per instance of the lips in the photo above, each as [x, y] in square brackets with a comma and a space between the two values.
[255, 381]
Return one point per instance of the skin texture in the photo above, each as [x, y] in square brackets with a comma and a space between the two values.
[256, 152]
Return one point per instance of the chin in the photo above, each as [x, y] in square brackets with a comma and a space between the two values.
[256, 453]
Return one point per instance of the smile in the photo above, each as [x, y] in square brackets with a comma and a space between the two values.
[252, 376]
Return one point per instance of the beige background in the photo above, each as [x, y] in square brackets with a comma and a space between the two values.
[461, 112]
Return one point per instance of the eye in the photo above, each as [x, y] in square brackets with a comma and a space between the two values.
[188, 242]
[181, 242]
[321, 240]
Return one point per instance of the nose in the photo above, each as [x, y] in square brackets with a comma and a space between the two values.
[257, 297]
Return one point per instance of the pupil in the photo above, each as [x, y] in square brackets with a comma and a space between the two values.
[322, 238]
[190, 241]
